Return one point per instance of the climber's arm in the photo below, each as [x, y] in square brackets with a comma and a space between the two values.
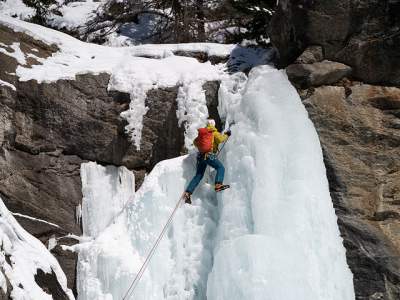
[219, 137]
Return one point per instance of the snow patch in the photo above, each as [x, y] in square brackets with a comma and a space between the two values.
[16, 8]
[27, 255]
[5, 83]
[74, 14]
[35, 219]
[15, 53]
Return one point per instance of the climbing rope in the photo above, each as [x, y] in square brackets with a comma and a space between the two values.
[139, 275]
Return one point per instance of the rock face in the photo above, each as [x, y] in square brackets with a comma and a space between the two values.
[358, 123]
[47, 130]
[318, 73]
[362, 34]
[358, 127]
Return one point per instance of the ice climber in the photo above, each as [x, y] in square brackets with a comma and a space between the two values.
[207, 142]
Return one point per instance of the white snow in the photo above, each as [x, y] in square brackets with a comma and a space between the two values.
[192, 110]
[35, 219]
[129, 72]
[74, 14]
[16, 8]
[5, 83]
[15, 53]
[27, 255]
[52, 243]
[273, 235]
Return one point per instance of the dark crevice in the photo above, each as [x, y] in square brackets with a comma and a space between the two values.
[49, 283]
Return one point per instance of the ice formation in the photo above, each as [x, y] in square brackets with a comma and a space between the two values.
[277, 235]
[21, 257]
[130, 68]
[273, 235]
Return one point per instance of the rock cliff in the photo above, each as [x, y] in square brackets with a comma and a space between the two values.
[362, 34]
[334, 52]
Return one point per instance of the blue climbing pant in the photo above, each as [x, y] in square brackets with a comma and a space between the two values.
[202, 162]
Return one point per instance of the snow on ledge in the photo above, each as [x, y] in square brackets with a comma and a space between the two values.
[131, 69]
[27, 255]
[5, 83]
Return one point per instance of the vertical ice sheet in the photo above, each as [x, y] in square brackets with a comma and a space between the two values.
[278, 236]
[108, 264]
[106, 191]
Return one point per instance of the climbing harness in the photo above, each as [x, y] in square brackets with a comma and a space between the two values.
[139, 275]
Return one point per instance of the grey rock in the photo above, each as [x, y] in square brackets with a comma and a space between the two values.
[211, 90]
[316, 74]
[203, 56]
[312, 54]
[362, 34]
[362, 156]
[49, 283]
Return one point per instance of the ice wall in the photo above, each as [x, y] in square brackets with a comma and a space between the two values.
[106, 191]
[277, 236]
[273, 235]
[110, 260]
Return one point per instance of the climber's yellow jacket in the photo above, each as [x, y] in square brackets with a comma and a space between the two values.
[218, 138]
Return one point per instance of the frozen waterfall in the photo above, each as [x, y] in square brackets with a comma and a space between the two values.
[272, 236]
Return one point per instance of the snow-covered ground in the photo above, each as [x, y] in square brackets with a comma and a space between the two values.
[74, 14]
[16, 8]
[71, 15]
[273, 235]
[21, 257]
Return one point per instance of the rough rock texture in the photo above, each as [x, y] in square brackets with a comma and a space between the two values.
[203, 57]
[47, 130]
[49, 283]
[358, 125]
[363, 34]
[312, 54]
[316, 74]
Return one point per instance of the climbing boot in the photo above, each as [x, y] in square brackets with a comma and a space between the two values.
[187, 197]
[220, 187]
